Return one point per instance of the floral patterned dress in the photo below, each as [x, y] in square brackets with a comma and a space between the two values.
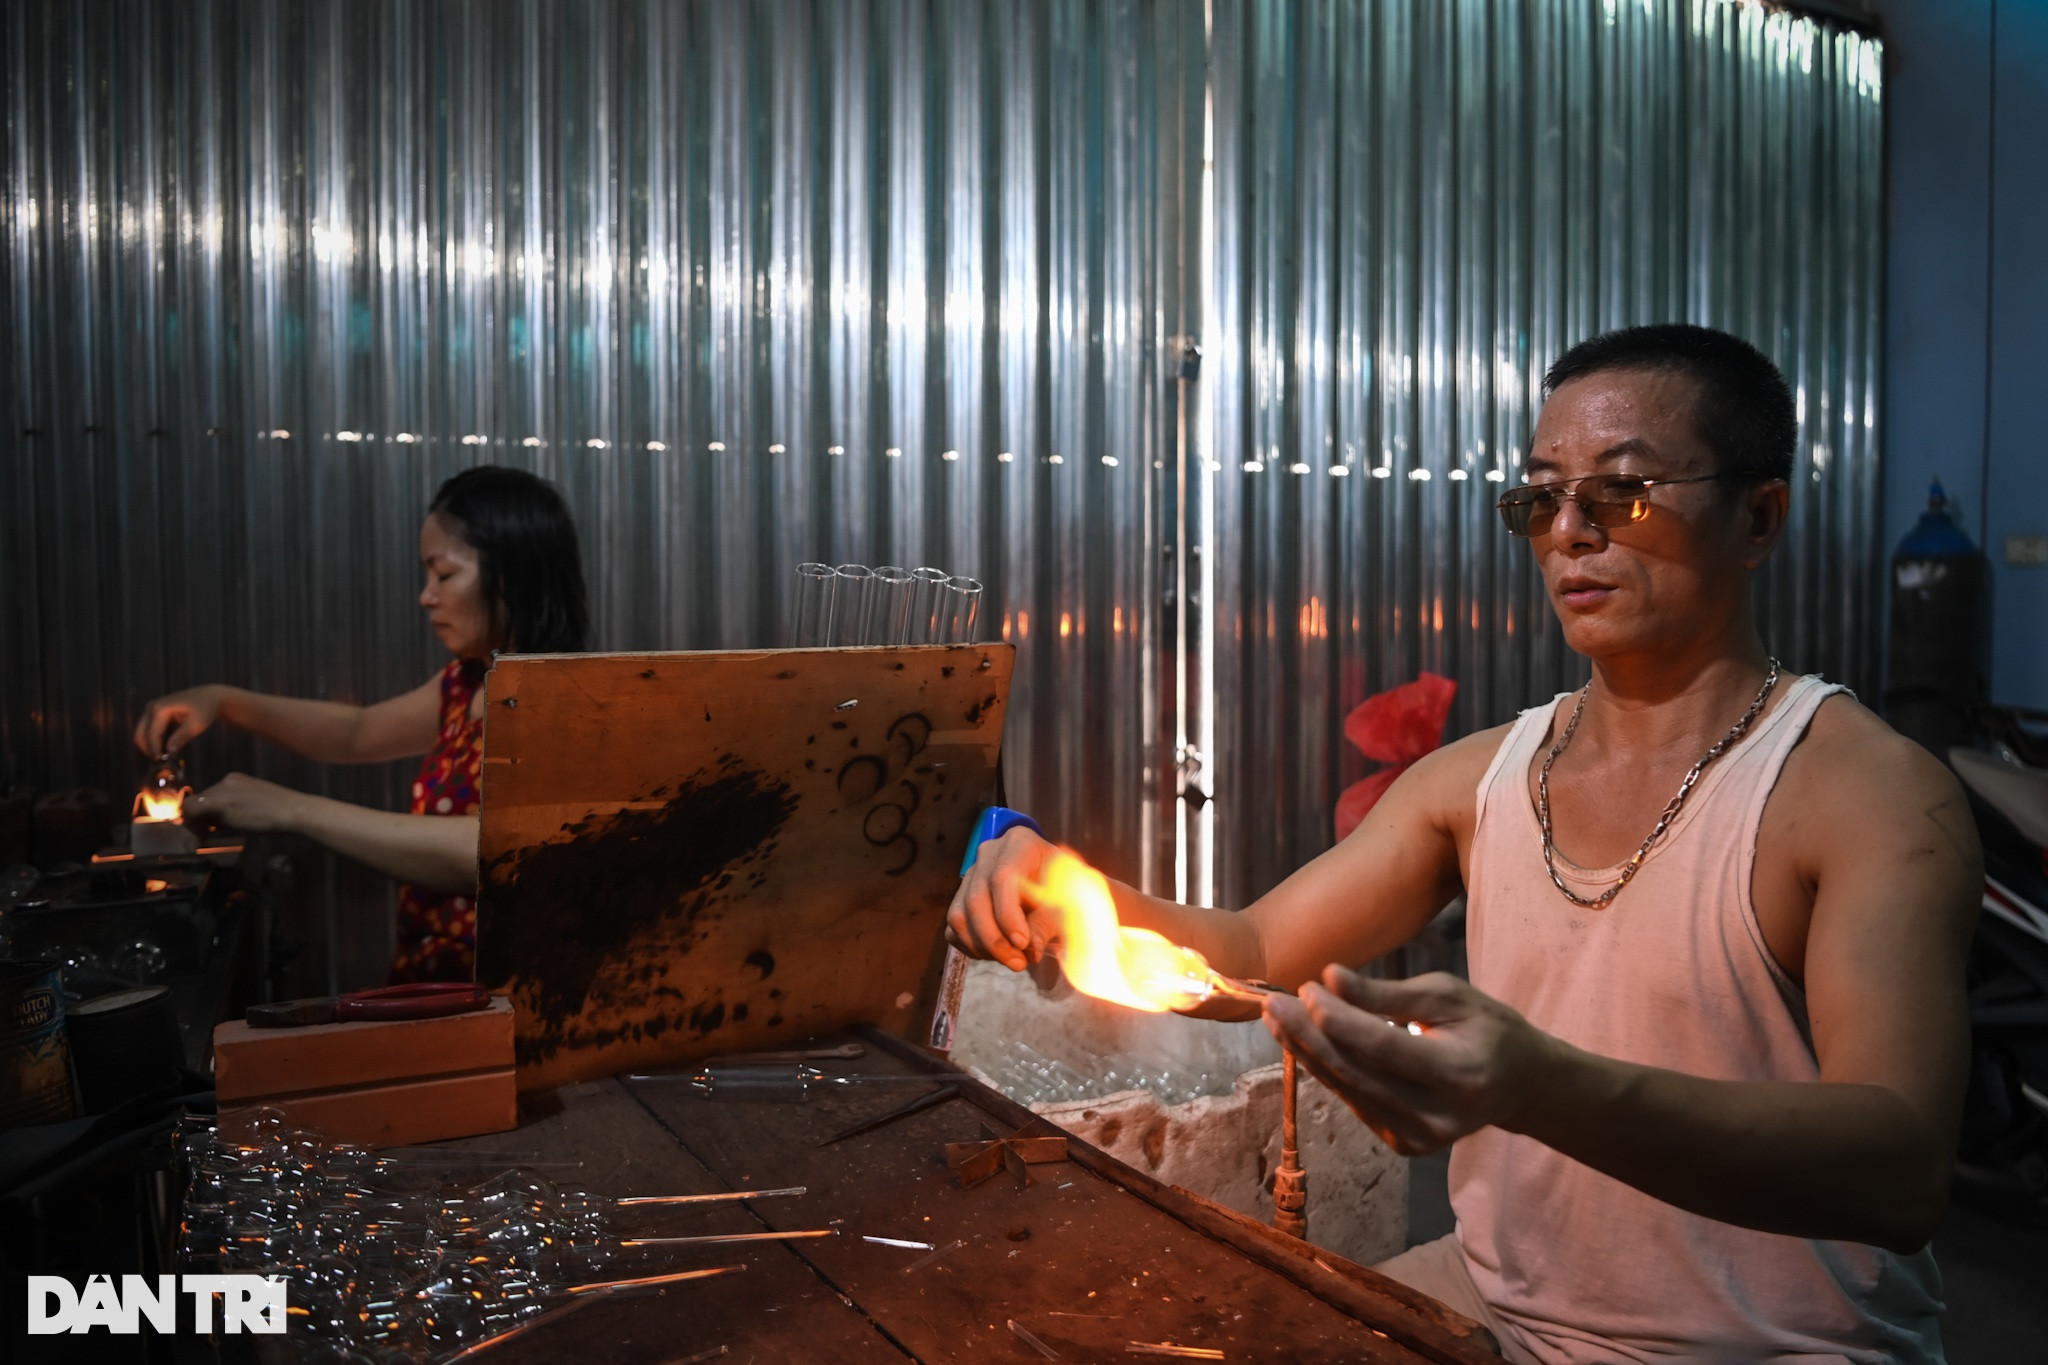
[437, 930]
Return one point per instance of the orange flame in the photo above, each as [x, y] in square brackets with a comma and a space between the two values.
[151, 804]
[1133, 967]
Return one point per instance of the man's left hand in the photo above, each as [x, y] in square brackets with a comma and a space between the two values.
[239, 801]
[1475, 1062]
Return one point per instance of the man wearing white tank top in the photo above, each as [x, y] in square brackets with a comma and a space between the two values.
[1704, 1083]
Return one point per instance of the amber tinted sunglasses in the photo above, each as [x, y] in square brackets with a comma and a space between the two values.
[1603, 499]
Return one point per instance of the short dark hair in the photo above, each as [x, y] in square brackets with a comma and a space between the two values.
[1745, 410]
[525, 543]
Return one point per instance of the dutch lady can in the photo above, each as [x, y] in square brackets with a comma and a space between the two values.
[35, 1055]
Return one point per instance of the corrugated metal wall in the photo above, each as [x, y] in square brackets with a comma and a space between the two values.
[1420, 205]
[893, 281]
[757, 283]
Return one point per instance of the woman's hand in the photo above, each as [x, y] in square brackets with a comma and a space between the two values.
[992, 913]
[437, 852]
[239, 801]
[171, 722]
[1477, 1062]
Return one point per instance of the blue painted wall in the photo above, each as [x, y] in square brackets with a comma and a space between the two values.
[1966, 369]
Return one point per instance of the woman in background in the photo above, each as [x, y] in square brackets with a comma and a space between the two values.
[503, 574]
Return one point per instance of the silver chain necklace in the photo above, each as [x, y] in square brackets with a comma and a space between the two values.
[1634, 864]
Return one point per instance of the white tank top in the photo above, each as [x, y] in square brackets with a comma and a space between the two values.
[1673, 973]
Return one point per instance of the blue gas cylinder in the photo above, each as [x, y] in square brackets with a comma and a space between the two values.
[1940, 629]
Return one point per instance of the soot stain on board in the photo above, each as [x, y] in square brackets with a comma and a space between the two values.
[974, 712]
[861, 778]
[762, 961]
[628, 876]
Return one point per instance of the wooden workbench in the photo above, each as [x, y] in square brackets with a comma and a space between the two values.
[1090, 1258]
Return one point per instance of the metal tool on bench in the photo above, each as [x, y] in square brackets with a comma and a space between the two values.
[803, 1054]
[418, 1000]
[780, 1084]
[948, 1091]
[1034, 1144]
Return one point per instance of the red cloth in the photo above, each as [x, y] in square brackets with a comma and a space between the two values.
[436, 930]
[1394, 727]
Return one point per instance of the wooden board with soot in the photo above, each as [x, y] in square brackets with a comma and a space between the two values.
[691, 854]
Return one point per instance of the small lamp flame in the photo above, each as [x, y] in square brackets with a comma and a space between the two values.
[158, 829]
[1102, 958]
[163, 792]
[160, 805]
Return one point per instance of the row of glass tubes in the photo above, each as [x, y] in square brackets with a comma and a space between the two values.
[852, 604]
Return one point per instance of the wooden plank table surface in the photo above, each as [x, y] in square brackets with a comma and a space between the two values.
[1089, 1259]
[775, 1309]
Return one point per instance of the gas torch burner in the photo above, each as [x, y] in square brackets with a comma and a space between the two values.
[1142, 969]
[1290, 1182]
[1230, 997]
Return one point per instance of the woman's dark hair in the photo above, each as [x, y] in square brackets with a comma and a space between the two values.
[525, 543]
[1745, 410]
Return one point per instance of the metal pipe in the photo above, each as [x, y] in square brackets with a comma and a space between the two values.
[1290, 1182]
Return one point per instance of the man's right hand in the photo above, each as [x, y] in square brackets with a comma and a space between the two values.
[993, 913]
[171, 722]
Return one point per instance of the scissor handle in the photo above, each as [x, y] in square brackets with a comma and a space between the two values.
[414, 1000]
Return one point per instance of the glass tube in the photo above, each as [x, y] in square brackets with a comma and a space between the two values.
[928, 625]
[890, 620]
[964, 597]
[816, 594]
[850, 616]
